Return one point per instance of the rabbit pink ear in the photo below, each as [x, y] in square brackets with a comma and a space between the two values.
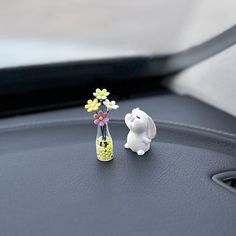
[151, 129]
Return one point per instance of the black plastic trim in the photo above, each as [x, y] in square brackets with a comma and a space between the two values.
[222, 179]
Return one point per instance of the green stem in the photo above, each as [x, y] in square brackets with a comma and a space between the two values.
[102, 130]
[105, 131]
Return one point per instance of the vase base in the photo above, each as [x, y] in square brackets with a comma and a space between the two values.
[105, 160]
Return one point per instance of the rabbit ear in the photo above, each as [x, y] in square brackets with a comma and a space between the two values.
[151, 129]
[137, 108]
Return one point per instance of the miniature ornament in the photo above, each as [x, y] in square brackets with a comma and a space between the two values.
[142, 131]
[101, 107]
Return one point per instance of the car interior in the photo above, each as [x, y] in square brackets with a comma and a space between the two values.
[175, 60]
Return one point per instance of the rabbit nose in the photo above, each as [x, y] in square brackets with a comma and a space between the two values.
[127, 116]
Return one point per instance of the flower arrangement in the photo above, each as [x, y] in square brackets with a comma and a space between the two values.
[101, 107]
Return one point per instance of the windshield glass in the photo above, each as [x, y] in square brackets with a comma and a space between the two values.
[39, 31]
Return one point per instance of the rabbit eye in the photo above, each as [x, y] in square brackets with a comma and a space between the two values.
[138, 117]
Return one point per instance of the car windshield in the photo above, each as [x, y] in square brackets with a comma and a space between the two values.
[41, 32]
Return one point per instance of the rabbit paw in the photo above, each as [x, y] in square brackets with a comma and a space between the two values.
[146, 140]
[140, 152]
[126, 145]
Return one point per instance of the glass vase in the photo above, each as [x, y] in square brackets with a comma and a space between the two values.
[104, 144]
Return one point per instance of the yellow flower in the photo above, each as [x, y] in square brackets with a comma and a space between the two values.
[92, 105]
[101, 94]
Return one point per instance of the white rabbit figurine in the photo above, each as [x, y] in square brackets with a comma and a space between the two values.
[142, 131]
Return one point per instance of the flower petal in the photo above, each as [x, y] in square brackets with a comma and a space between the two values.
[101, 123]
[96, 122]
[95, 108]
[106, 102]
[95, 116]
[105, 120]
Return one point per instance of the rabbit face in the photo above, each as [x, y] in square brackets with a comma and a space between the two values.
[137, 121]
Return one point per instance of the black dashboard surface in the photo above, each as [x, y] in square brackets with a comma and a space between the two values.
[52, 184]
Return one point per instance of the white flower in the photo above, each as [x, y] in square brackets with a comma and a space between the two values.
[111, 105]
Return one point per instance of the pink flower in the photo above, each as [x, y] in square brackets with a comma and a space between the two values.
[100, 118]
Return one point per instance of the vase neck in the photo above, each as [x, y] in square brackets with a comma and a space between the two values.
[103, 131]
